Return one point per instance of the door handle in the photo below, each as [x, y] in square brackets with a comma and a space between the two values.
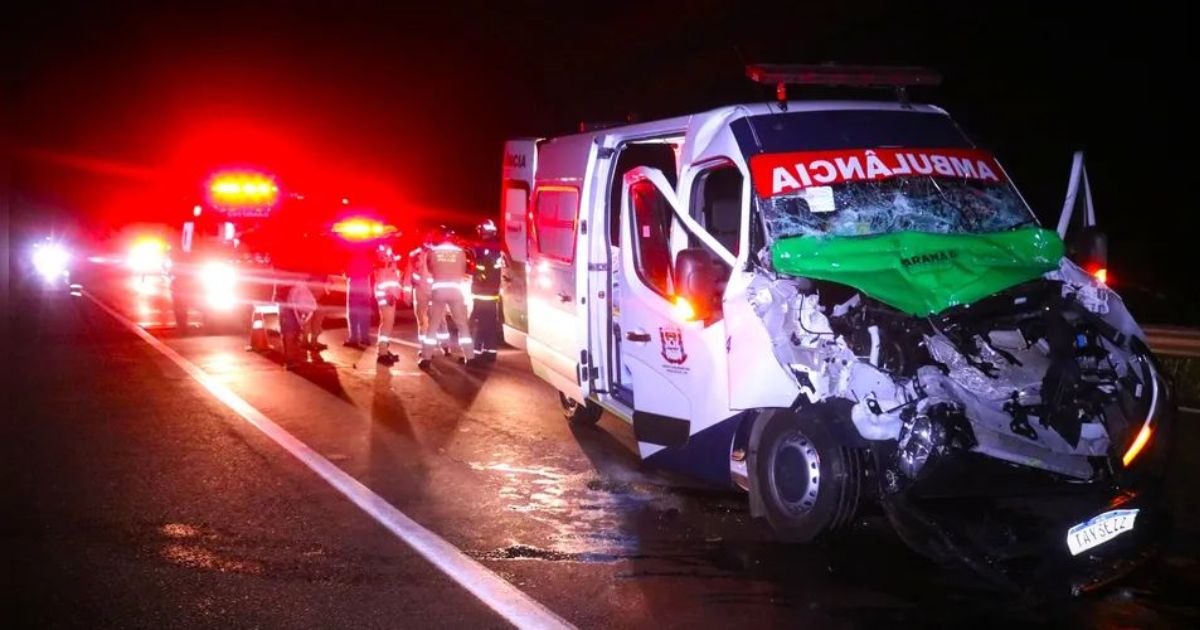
[638, 336]
[563, 297]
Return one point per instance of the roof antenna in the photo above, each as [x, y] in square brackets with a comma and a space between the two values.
[781, 95]
[902, 96]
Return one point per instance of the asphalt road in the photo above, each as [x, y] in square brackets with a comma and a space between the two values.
[139, 499]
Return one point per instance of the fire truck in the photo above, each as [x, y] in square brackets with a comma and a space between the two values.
[223, 264]
[247, 235]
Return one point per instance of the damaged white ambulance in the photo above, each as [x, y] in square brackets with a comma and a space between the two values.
[835, 305]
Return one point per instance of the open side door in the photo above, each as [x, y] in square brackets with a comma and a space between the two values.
[672, 353]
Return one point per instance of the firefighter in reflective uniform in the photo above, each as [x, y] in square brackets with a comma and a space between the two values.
[387, 293]
[420, 281]
[447, 265]
[485, 287]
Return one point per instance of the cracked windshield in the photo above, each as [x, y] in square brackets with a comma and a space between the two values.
[868, 192]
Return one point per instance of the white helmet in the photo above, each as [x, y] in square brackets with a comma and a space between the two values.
[486, 229]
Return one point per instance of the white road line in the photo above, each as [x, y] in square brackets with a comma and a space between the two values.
[505, 599]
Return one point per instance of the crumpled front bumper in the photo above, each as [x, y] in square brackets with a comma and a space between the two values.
[1009, 524]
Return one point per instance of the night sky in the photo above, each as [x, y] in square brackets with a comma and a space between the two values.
[116, 107]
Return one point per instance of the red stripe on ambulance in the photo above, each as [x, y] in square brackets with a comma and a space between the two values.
[782, 173]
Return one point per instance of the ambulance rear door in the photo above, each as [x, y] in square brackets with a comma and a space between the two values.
[554, 341]
[519, 166]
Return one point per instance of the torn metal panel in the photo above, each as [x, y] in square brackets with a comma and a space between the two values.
[1035, 375]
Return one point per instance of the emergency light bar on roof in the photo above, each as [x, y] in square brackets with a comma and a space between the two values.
[242, 189]
[847, 76]
[898, 78]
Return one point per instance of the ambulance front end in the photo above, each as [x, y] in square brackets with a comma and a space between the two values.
[948, 359]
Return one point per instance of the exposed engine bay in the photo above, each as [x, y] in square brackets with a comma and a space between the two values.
[1050, 374]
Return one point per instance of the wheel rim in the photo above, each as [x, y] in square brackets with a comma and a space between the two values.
[795, 473]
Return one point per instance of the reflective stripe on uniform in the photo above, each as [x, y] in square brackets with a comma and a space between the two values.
[487, 298]
[447, 285]
[443, 336]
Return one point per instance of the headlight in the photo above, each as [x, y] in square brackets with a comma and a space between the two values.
[147, 256]
[220, 285]
[50, 260]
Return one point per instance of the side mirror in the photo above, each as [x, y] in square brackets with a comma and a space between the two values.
[696, 282]
[1089, 249]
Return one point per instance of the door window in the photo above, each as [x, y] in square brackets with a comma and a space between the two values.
[516, 204]
[658, 235]
[554, 213]
[652, 221]
[655, 154]
[717, 204]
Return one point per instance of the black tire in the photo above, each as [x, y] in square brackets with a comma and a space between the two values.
[808, 481]
[579, 414]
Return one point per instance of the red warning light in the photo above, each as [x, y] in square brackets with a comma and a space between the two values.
[243, 189]
[360, 229]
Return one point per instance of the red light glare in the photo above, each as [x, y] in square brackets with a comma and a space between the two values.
[1101, 275]
[237, 189]
[359, 229]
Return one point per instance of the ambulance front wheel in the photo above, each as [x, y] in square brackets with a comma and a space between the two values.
[807, 481]
[577, 413]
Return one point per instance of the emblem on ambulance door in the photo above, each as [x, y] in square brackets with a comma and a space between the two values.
[672, 345]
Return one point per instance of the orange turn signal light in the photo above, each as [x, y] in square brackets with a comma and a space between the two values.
[1139, 443]
[683, 309]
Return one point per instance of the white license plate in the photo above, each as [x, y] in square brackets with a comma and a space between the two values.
[1099, 530]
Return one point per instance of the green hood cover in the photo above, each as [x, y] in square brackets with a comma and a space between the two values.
[922, 273]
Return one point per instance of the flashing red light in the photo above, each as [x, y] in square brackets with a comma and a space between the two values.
[359, 229]
[243, 189]
[147, 255]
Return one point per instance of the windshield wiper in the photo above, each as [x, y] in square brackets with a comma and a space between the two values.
[1021, 224]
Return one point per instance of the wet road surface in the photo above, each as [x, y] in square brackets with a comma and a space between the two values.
[141, 500]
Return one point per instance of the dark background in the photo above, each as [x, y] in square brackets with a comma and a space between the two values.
[117, 108]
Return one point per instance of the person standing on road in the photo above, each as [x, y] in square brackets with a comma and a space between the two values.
[447, 263]
[421, 283]
[359, 299]
[387, 292]
[319, 285]
[485, 287]
[296, 307]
